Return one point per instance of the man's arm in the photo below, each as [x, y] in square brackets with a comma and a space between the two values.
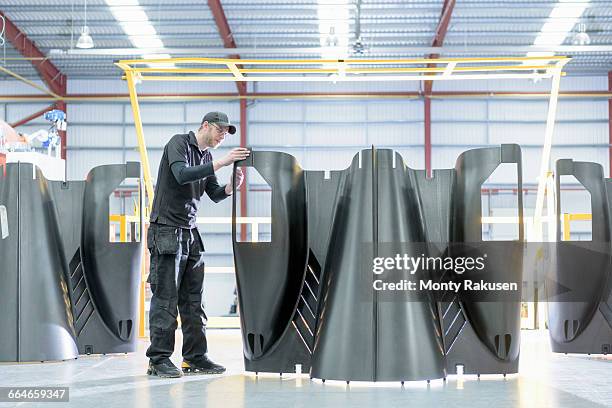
[185, 175]
[214, 190]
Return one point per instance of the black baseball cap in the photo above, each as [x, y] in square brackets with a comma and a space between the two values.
[220, 119]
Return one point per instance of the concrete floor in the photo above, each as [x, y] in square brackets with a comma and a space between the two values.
[545, 380]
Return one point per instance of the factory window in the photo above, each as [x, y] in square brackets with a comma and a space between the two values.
[256, 224]
[124, 210]
[500, 204]
[576, 223]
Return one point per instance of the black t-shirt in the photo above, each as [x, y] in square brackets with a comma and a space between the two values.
[175, 204]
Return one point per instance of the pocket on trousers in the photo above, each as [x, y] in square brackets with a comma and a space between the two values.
[167, 242]
[150, 239]
[152, 278]
[163, 313]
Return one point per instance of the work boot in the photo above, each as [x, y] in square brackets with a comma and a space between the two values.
[202, 365]
[164, 369]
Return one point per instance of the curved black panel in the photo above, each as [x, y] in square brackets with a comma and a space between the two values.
[9, 273]
[270, 275]
[411, 325]
[38, 320]
[64, 287]
[577, 318]
[111, 270]
[344, 340]
[314, 294]
[497, 324]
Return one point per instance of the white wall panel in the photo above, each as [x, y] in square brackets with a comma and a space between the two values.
[335, 112]
[582, 110]
[505, 173]
[157, 113]
[119, 86]
[98, 136]
[459, 133]
[564, 133]
[580, 133]
[580, 154]
[394, 134]
[328, 159]
[453, 109]
[525, 85]
[98, 86]
[16, 112]
[155, 136]
[413, 157]
[272, 111]
[521, 110]
[14, 87]
[531, 164]
[513, 110]
[98, 113]
[333, 134]
[195, 111]
[272, 134]
[259, 204]
[80, 162]
[154, 159]
[379, 111]
[330, 87]
[193, 87]
[492, 85]
[522, 133]
[445, 157]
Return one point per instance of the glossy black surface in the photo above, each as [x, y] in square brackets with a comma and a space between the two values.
[308, 285]
[580, 319]
[64, 289]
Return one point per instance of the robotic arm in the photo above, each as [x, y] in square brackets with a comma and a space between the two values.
[44, 138]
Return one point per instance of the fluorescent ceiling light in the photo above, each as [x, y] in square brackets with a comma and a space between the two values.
[333, 16]
[562, 19]
[136, 25]
[159, 56]
[146, 42]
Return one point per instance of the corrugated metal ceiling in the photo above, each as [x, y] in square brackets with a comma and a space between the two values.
[388, 28]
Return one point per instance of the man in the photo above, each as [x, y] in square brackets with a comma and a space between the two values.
[186, 172]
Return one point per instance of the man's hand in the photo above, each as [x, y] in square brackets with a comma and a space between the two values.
[236, 154]
[239, 180]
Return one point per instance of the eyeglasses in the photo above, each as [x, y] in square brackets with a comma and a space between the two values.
[220, 130]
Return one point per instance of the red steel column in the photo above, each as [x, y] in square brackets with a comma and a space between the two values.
[228, 42]
[438, 41]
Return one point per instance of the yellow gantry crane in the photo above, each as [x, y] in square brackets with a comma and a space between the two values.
[345, 70]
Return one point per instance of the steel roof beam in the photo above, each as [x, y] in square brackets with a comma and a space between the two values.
[226, 34]
[438, 41]
[228, 42]
[49, 73]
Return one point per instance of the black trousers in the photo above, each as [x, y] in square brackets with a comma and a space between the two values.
[176, 277]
